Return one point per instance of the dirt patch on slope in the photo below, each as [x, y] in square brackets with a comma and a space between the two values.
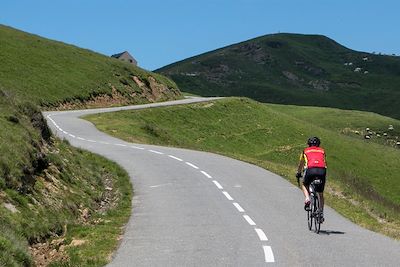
[134, 90]
[54, 249]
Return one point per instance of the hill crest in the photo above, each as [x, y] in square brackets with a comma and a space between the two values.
[54, 74]
[294, 69]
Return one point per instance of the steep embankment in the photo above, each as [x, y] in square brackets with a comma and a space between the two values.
[58, 203]
[294, 69]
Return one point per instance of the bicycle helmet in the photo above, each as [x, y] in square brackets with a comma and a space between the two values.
[313, 141]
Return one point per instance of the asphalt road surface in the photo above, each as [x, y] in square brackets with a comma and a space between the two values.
[195, 208]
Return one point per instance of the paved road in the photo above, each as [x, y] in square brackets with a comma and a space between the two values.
[195, 208]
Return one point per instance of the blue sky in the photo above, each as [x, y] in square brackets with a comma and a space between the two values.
[160, 32]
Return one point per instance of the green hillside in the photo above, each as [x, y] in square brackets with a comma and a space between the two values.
[53, 197]
[363, 175]
[49, 73]
[294, 69]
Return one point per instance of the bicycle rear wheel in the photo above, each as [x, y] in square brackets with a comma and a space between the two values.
[316, 210]
[310, 216]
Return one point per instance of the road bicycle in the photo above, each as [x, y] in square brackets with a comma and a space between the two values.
[314, 211]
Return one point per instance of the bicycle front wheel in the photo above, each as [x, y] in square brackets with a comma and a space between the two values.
[316, 210]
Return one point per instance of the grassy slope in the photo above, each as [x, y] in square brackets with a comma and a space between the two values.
[49, 183]
[48, 72]
[272, 136]
[314, 69]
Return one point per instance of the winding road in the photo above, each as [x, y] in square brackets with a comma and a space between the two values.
[194, 208]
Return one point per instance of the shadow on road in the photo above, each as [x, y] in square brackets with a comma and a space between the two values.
[330, 232]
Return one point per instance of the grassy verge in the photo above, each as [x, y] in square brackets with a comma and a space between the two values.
[67, 218]
[189, 94]
[100, 229]
[57, 203]
[363, 175]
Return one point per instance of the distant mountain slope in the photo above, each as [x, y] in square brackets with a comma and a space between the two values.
[51, 73]
[294, 69]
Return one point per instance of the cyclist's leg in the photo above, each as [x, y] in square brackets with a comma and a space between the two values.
[321, 199]
[306, 181]
[320, 189]
[305, 191]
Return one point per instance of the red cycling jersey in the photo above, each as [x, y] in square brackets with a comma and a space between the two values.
[314, 157]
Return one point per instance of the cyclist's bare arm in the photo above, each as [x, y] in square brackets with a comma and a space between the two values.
[301, 164]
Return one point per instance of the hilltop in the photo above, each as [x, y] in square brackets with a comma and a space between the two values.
[53, 74]
[295, 69]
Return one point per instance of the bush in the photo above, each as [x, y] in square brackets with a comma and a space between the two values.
[13, 119]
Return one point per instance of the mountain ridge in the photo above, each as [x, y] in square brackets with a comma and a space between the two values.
[298, 69]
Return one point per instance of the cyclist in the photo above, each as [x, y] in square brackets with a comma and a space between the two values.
[313, 162]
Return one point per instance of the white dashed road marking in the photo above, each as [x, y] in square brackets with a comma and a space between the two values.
[156, 152]
[159, 185]
[176, 158]
[249, 220]
[227, 195]
[217, 184]
[238, 207]
[206, 174]
[192, 165]
[137, 147]
[104, 143]
[269, 256]
[261, 234]
[120, 145]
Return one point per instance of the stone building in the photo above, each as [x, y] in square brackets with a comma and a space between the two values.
[125, 56]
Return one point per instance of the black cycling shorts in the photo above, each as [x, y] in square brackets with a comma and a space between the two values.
[312, 174]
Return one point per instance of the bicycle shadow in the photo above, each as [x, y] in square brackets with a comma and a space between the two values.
[331, 232]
